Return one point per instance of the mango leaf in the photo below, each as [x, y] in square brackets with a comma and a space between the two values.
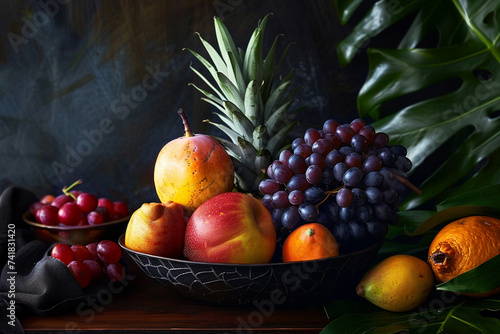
[442, 314]
[464, 116]
[484, 277]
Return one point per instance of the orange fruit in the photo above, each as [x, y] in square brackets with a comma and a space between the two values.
[463, 245]
[311, 241]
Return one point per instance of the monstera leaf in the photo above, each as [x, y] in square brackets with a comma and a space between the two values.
[452, 89]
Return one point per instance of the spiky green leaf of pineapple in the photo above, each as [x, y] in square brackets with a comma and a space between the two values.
[253, 102]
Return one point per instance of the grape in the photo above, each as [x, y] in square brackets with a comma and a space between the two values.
[267, 200]
[316, 159]
[108, 204]
[280, 199]
[297, 164]
[92, 248]
[94, 218]
[80, 253]
[354, 159]
[368, 132]
[47, 215]
[282, 173]
[308, 212]
[365, 213]
[62, 252]
[314, 174]
[333, 158]
[95, 269]
[104, 213]
[344, 197]
[268, 186]
[357, 231]
[81, 272]
[357, 125]
[344, 133]
[383, 211]
[373, 194]
[303, 150]
[339, 170]
[373, 179]
[342, 176]
[69, 214]
[380, 140]
[330, 126]
[115, 272]
[120, 209]
[322, 146]
[398, 150]
[311, 136]
[296, 142]
[298, 182]
[403, 163]
[372, 163]
[314, 195]
[60, 200]
[86, 202]
[296, 197]
[347, 213]
[352, 176]
[108, 251]
[290, 217]
[359, 143]
[284, 156]
[358, 196]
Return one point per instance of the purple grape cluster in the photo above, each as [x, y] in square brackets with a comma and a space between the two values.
[344, 176]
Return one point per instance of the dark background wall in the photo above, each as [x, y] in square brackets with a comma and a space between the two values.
[90, 89]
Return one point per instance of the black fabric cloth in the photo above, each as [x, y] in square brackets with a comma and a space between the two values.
[35, 281]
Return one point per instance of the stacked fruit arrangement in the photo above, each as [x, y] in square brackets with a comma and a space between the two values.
[77, 208]
[345, 176]
[89, 263]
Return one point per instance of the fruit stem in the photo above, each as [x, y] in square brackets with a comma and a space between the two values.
[66, 190]
[328, 193]
[310, 232]
[407, 183]
[187, 126]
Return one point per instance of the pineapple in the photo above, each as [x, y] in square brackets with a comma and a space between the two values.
[253, 102]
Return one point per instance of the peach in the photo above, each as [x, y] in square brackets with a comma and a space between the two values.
[231, 227]
[157, 229]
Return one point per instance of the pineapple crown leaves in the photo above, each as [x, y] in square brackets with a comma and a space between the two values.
[252, 101]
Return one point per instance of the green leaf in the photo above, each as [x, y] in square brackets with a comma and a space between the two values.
[483, 278]
[438, 316]
[467, 51]
[238, 119]
[251, 102]
[230, 90]
[252, 64]
[274, 143]
[226, 47]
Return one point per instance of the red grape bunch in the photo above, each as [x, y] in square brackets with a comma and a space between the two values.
[89, 263]
[344, 176]
[74, 207]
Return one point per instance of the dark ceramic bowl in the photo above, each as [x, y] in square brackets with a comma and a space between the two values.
[79, 235]
[306, 283]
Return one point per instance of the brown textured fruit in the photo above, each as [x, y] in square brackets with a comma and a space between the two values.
[463, 245]
[311, 241]
[192, 169]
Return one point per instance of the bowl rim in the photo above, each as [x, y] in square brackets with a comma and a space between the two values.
[27, 214]
[121, 243]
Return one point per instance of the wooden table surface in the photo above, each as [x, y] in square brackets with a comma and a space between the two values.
[144, 306]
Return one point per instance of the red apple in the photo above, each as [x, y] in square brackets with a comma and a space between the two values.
[231, 227]
[157, 229]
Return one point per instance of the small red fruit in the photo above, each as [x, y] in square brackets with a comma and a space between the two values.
[80, 253]
[92, 248]
[86, 202]
[109, 251]
[70, 214]
[115, 272]
[95, 268]
[60, 200]
[47, 215]
[95, 218]
[63, 253]
[108, 204]
[81, 272]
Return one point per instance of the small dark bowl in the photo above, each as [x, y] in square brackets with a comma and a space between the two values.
[312, 283]
[76, 235]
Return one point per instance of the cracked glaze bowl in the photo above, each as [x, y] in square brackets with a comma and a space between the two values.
[306, 282]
